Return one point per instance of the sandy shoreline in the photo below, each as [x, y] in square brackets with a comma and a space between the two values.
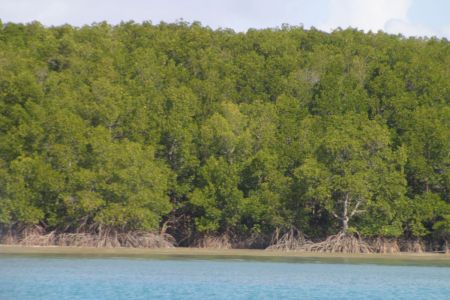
[246, 254]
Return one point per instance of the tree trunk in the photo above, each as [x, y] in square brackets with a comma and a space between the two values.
[345, 224]
[345, 215]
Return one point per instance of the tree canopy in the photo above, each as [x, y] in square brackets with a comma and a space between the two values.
[213, 132]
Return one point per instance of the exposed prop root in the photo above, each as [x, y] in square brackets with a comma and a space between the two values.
[215, 242]
[385, 245]
[253, 241]
[38, 239]
[414, 246]
[111, 239]
[20, 233]
[340, 243]
[129, 239]
[293, 240]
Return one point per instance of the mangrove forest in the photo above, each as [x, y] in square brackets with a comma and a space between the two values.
[175, 134]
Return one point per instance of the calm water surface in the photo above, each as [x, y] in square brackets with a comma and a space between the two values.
[132, 278]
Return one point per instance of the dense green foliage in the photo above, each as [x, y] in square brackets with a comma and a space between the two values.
[137, 126]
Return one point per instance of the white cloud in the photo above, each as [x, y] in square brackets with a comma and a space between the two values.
[365, 14]
[388, 15]
[410, 29]
[446, 31]
[237, 14]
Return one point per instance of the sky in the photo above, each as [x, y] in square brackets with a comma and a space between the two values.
[408, 17]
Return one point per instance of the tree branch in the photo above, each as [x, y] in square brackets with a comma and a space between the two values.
[336, 216]
[355, 210]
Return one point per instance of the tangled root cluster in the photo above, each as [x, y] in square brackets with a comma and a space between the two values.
[385, 245]
[110, 239]
[253, 241]
[214, 242]
[340, 243]
[293, 240]
[414, 246]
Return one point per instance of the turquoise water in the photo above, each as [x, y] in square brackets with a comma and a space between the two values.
[151, 278]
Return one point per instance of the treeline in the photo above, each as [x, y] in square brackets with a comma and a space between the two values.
[207, 134]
